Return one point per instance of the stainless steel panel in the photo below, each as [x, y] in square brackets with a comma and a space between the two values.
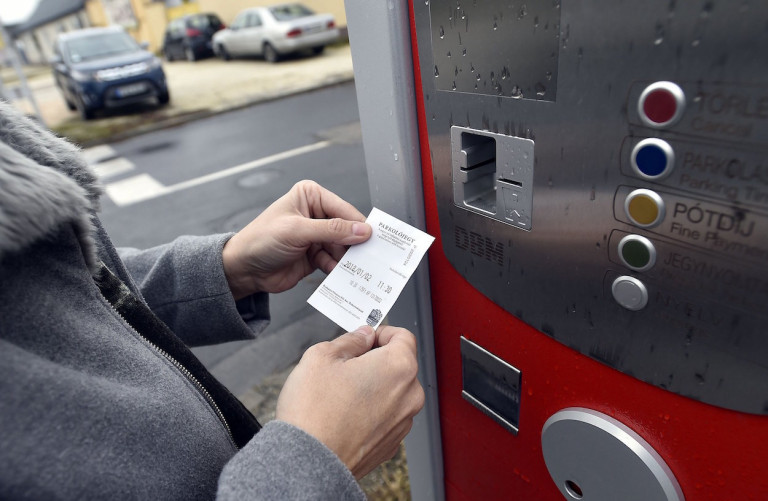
[701, 333]
[490, 384]
[594, 457]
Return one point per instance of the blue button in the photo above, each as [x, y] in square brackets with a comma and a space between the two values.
[652, 158]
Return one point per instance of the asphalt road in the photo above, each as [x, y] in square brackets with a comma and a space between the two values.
[181, 181]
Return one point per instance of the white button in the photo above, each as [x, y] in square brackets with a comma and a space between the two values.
[630, 293]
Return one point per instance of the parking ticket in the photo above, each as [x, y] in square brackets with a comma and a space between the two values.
[365, 284]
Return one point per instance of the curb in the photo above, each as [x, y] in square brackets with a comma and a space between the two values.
[186, 117]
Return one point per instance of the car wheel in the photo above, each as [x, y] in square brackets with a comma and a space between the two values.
[270, 54]
[85, 112]
[164, 98]
[318, 50]
[189, 53]
[221, 51]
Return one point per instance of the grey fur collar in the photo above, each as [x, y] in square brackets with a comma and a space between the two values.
[44, 184]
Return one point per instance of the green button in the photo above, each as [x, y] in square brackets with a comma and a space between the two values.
[637, 252]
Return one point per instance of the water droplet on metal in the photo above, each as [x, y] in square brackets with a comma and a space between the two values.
[517, 92]
[659, 35]
[464, 52]
[536, 22]
[396, 157]
[449, 54]
[478, 76]
[426, 2]
[495, 26]
[541, 90]
[706, 11]
[454, 85]
[523, 12]
[695, 43]
[471, 68]
[437, 73]
[548, 75]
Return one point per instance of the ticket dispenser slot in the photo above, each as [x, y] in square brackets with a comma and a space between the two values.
[493, 175]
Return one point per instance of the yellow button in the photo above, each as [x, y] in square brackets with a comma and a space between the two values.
[645, 208]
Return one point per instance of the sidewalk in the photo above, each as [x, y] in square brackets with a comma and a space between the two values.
[198, 89]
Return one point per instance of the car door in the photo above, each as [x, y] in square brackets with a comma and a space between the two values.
[253, 34]
[234, 42]
[173, 39]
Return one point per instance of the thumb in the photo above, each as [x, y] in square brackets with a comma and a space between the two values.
[355, 343]
[335, 230]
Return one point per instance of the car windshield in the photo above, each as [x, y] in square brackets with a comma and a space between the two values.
[288, 12]
[100, 45]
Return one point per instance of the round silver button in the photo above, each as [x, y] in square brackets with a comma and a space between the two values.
[630, 293]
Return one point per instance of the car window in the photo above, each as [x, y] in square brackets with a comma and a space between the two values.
[288, 12]
[199, 22]
[214, 21]
[100, 45]
[254, 20]
[240, 20]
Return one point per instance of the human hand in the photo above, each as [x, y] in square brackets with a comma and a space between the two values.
[307, 228]
[357, 400]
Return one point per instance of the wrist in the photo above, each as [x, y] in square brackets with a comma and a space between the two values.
[239, 284]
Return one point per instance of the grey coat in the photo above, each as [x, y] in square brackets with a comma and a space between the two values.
[88, 409]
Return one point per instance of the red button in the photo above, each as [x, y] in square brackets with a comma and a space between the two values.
[661, 104]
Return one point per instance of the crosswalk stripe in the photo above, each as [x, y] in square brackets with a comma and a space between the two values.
[113, 167]
[98, 153]
[134, 189]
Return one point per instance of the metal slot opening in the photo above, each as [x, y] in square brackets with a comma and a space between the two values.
[478, 166]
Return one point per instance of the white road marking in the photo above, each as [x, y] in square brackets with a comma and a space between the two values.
[113, 167]
[144, 187]
[134, 189]
[97, 153]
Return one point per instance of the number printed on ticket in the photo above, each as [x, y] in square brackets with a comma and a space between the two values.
[370, 277]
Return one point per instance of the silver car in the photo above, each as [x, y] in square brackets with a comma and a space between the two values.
[275, 31]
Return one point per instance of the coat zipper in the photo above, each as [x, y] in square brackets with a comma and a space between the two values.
[185, 372]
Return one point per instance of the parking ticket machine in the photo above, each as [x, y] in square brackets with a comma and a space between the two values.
[596, 176]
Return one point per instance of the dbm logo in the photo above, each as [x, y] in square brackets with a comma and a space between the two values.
[479, 246]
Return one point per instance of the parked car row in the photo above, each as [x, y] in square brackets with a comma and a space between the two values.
[96, 68]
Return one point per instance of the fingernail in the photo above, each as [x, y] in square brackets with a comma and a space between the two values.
[359, 229]
[365, 330]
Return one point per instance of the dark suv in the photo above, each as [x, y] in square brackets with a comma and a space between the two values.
[189, 37]
[104, 67]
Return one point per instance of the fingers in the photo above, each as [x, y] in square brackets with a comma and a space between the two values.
[323, 203]
[332, 231]
[387, 334]
[353, 344]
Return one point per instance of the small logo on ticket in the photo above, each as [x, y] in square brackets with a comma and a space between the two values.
[373, 317]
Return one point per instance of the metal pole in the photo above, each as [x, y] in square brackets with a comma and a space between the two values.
[25, 90]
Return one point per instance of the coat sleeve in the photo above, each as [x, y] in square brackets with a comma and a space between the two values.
[183, 282]
[283, 462]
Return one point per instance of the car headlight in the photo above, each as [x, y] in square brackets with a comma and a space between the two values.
[82, 76]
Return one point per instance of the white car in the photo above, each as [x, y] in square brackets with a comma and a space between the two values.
[275, 31]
